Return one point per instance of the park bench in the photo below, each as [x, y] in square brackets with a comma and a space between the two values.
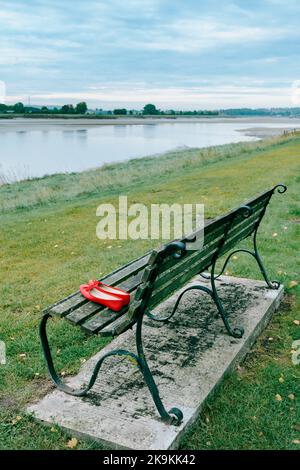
[151, 279]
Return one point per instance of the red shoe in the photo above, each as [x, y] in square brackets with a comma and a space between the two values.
[122, 294]
[92, 292]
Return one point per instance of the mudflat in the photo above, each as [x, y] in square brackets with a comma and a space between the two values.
[19, 124]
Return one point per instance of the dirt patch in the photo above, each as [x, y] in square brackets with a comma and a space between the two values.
[39, 388]
[287, 304]
[7, 402]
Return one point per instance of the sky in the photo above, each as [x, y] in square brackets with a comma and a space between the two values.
[177, 54]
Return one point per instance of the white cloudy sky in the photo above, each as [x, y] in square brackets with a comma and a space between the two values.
[177, 54]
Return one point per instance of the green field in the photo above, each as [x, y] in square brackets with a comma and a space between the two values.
[49, 246]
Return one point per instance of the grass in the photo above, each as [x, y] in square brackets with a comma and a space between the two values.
[48, 246]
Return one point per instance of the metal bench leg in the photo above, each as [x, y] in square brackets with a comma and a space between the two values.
[235, 332]
[256, 256]
[54, 375]
[174, 415]
[271, 284]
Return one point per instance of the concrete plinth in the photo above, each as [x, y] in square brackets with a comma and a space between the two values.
[188, 357]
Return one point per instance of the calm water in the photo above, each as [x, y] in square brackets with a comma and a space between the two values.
[37, 152]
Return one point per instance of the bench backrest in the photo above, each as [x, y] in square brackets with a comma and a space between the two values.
[165, 273]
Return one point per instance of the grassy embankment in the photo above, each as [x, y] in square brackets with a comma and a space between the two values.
[48, 246]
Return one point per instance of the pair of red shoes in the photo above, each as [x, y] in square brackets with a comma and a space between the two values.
[111, 297]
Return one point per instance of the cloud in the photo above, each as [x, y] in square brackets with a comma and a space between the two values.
[117, 52]
[196, 35]
[209, 97]
[2, 92]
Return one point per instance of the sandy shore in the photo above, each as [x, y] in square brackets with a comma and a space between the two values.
[266, 132]
[21, 124]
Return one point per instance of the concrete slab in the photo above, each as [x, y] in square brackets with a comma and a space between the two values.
[188, 357]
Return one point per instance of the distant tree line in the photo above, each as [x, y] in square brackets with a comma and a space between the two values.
[148, 110]
[19, 108]
[289, 112]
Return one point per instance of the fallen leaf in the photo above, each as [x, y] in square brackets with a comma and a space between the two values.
[291, 396]
[296, 322]
[293, 284]
[270, 339]
[296, 441]
[53, 430]
[235, 257]
[22, 356]
[55, 246]
[275, 234]
[296, 427]
[278, 397]
[16, 420]
[72, 443]
[281, 380]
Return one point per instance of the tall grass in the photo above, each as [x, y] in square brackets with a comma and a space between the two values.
[113, 178]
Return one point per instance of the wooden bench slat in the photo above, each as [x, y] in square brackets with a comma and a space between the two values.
[195, 257]
[97, 321]
[214, 223]
[235, 239]
[198, 262]
[212, 237]
[84, 312]
[179, 279]
[80, 315]
[67, 305]
[117, 327]
[76, 300]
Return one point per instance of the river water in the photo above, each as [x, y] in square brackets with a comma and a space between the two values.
[35, 151]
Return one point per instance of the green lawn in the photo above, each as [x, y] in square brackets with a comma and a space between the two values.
[49, 246]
